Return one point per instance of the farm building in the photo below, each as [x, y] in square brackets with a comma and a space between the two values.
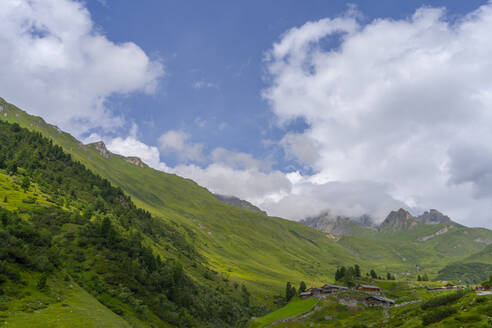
[328, 289]
[316, 291]
[378, 301]
[369, 289]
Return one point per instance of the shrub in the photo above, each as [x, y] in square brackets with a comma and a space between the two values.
[42, 281]
[438, 315]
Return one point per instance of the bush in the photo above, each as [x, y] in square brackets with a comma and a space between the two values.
[438, 315]
[42, 281]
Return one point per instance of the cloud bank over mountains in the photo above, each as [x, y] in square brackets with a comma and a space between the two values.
[398, 112]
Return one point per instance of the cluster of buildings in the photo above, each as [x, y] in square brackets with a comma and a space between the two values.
[374, 300]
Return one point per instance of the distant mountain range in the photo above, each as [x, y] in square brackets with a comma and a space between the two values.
[395, 221]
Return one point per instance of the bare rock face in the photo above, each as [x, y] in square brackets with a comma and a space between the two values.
[338, 225]
[101, 149]
[398, 220]
[433, 217]
[135, 161]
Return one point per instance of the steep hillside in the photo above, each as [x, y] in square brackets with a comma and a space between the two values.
[71, 243]
[245, 246]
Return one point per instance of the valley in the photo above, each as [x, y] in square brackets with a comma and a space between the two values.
[223, 248]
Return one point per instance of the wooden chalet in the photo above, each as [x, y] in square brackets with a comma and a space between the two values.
[369, 289]
[378, 301]
[329, 289]
[316, 291]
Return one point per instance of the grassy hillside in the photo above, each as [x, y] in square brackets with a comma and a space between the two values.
[71, 243]
[262, 252]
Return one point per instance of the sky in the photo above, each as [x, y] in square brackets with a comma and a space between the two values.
[354, 108]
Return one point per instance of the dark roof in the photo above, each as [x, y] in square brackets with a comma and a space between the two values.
[370, 287]
[382, 299]
[334, 286]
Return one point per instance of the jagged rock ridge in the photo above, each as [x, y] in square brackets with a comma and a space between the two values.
[337, 225]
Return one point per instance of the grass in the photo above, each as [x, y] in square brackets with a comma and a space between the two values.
[64, 304]
[295, 307]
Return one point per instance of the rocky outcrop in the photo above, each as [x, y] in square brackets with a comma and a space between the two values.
[135, 161]
[237, 202]
[433, 217]
[100, 147]
[398, 220]
[339, 225]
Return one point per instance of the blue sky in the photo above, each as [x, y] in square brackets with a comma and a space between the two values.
[302, 108]
[221, 44]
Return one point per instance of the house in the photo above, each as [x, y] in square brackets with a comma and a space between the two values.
[369, 289]
[305, 295]
[328, 289]
[378, 301]
[316, 291]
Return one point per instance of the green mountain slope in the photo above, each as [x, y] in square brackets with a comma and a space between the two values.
[244, 246]
[241, 246]
[66, 233]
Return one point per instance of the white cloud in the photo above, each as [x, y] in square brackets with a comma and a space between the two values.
[238, 160]
[56, 64]
[392, 103]
[354, 198]
[249, 184]
[301, 147]
[177, 142]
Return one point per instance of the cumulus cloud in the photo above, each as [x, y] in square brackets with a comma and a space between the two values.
[249, 184]
[300, 147]
[177, 142]
[391, 102]
[56, 64]
[353, 199]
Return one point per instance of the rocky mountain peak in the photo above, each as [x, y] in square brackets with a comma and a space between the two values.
[433, 217]
[397, 220]
[338, 225]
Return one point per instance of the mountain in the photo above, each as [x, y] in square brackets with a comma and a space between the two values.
[239, 245]
[434, 217]
[398, 220]
[429, 242]
[75, 248]
[339, 225]
[237, 202]
[219, 247]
